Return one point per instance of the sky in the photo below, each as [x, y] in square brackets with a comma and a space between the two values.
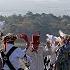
[56, 7]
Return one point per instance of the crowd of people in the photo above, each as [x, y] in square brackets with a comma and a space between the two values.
[55, 55]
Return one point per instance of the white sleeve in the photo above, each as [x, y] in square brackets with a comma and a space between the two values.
[0, 55]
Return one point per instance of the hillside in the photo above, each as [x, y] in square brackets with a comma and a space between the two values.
[30, 23]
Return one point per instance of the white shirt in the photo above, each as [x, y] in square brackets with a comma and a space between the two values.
[53, 53]
[38, 58]
[14, 57]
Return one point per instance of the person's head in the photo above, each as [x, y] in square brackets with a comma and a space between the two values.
[57, 43]
[49, 44]
[67, 39]
[9, 38]
[35, 41]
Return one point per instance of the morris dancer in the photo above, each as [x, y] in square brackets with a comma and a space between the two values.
[37, 53]
[11, 54]
[54, 45]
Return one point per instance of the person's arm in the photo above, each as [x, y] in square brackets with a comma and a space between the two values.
[24, 58]
[28, 60]
[0, 53]
[0, 61]
[20, 53]
[0, 56]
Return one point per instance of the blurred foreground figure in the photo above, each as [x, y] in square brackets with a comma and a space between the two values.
[0, 63]
[10, 54]
[63, 53]
[1, 34]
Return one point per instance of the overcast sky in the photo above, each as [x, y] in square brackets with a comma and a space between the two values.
[57, 7]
